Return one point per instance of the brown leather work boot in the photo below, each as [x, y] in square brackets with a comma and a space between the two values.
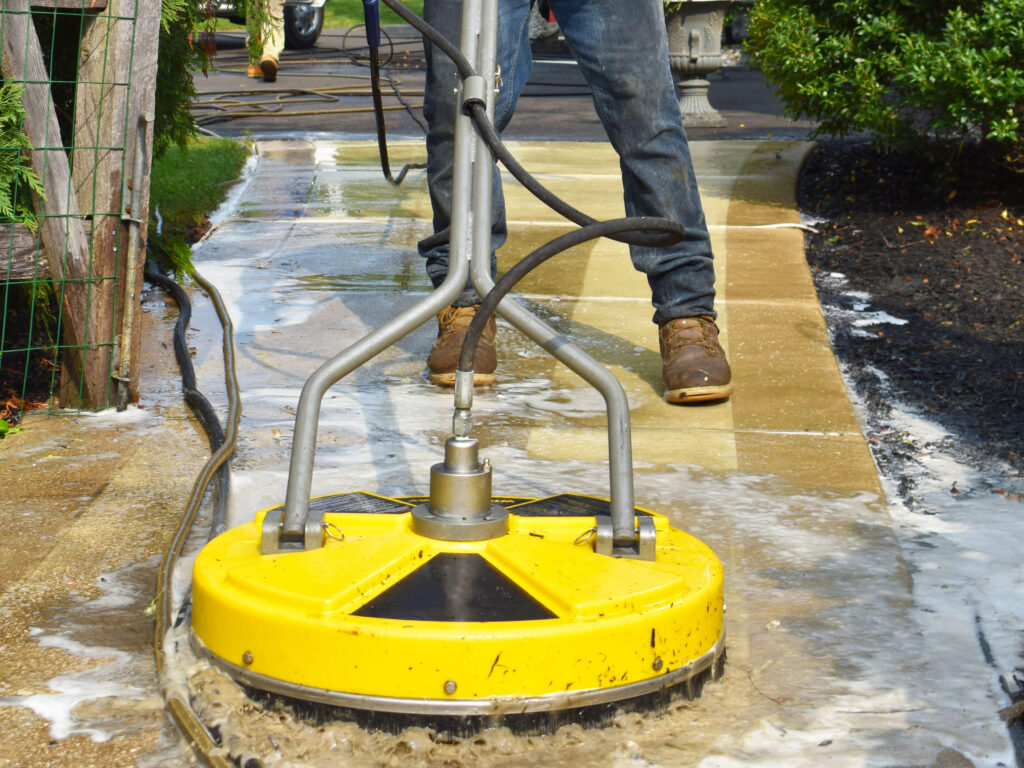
[452, 324]
[695, 368]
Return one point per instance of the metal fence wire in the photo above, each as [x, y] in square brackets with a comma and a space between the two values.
[76, 100]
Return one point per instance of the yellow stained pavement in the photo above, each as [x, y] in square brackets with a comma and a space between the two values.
[778, 480]
[790, 415]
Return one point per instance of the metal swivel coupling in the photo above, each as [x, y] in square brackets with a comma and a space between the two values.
[460, 507]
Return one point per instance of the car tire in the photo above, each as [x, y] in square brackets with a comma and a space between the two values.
[302, 26]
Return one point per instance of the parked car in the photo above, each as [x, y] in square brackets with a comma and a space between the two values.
[303, 19]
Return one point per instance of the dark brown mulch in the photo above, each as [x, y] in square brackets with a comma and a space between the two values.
[946, 256]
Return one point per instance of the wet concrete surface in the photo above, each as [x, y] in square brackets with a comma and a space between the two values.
[826, 656]
[829, 658]
[90, 501]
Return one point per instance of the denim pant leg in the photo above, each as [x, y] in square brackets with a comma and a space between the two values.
[439, 110]
[622, 49]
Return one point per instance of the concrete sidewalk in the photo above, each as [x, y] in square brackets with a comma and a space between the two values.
[825, 658]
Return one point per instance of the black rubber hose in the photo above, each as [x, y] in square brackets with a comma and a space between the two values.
[478, 112]
[206, 748]
[378, 116]
[534, 259]
[195, 399]
[373, 38]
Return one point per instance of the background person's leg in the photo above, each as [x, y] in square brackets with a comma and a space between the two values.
[274, 44]
[272, 37]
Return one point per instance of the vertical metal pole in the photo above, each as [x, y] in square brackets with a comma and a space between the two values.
[620, 454]
[131, 299]
[462, 239]
[296, 527]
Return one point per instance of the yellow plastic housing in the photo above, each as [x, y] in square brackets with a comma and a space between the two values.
[296, 622]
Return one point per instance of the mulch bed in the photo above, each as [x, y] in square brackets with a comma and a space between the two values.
[943, 251]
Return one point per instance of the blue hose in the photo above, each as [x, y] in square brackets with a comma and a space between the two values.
[371, 12]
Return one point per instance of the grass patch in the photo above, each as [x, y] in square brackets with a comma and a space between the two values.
[186, 185]
[349, 13]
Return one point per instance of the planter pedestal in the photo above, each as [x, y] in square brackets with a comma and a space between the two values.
[695, 50]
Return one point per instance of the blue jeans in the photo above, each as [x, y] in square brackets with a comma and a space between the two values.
[622, 49]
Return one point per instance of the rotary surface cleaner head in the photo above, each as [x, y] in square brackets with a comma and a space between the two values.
[463, 608]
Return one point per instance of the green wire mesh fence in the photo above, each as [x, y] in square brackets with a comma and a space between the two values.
[75, 124]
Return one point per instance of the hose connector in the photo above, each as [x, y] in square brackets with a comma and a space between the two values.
[462, 423]
[474, 91]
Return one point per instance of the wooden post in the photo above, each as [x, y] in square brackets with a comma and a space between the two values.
[117, 83]
[61, 228]
[26, 260]
[142, 102]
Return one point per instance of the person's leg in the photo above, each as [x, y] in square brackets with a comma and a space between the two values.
[622, 49]
[623, 52]
[275, 39]
[272, 36]
[439, 109]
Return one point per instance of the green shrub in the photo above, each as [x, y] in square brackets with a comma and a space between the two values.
[181, 54]
[17, 180]
[898, 70]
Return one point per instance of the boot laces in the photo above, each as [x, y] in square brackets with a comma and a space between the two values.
[453, 319]
[682, 336]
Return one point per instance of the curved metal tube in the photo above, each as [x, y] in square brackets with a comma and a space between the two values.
[472, 174]
[300, 473]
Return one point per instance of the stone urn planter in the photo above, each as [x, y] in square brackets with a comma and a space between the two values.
[695, 50]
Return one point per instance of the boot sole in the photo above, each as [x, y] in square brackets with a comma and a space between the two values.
[698, 394]
[269, 69]
[448, 379]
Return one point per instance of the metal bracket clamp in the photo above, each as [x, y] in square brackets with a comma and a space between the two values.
[273, 540]
[474, 90]
[643, 546]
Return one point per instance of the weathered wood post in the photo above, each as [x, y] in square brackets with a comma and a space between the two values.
[117, 83]
[61, 229]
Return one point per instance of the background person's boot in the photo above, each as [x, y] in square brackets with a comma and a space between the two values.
[268, 66]
[452, 324]
[694, 365]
